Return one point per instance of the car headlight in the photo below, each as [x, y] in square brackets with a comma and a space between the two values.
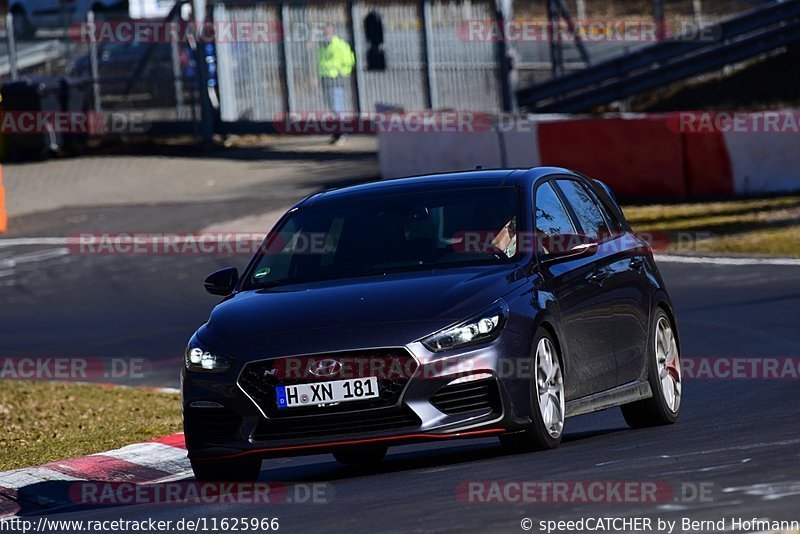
[199, 359]
[481, 328]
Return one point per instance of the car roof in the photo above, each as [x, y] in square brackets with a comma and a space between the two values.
[476, 178]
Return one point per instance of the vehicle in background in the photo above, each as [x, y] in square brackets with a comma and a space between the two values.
[118, 60]
[30, 15]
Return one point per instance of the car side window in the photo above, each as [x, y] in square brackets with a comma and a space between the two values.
[614, 222]
[551, 216]
[586, 210]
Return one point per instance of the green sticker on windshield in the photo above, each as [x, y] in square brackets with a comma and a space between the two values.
[261, 273]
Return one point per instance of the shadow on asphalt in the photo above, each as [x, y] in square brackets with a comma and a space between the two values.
[148, 217]
[435, 457]
[303, 149]
[429, 458]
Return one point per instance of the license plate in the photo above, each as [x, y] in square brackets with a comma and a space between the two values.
[335, 391]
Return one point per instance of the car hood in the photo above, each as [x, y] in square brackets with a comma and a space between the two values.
[384, 310]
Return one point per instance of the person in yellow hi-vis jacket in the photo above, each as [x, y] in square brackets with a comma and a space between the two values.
[335, 62]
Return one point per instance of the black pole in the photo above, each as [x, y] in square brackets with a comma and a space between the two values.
[658, 17]
[209, 119]
[556, 59]
[503, 60]
[423, 18]
[351, 23]
[284, 55]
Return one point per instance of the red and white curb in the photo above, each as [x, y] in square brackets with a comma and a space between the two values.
[47, 486]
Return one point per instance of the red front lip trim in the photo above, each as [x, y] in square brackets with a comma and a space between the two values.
[402, 437]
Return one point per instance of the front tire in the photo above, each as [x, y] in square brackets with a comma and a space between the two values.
[664, 376]
[547, 400]
[236, 470]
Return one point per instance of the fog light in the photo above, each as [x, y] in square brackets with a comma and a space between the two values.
[470, 378]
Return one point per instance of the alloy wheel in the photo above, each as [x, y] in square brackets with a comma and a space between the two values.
[668, 362]
[550, 387]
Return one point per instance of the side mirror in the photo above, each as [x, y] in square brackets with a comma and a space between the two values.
[567, 246]
[222, 282]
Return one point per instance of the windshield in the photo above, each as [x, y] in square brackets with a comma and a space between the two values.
[391, 233]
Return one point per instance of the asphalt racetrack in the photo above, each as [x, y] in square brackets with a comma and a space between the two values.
[736, 443]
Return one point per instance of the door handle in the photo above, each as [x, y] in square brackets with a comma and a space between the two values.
[598, 276]
[637, 262]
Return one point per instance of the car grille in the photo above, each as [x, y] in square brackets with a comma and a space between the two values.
[393, 367]
[477, 395]
[372, 422]
[212, 422]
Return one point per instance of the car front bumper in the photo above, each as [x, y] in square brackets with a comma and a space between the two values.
[222, 419]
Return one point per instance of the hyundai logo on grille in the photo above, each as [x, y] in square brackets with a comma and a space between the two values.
[326, 367]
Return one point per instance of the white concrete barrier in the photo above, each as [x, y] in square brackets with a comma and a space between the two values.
[409, 154]
[764, 162]
[717, 163]
[508, 144]
[521, 142]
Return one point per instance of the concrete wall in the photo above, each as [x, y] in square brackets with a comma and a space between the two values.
[657, 156]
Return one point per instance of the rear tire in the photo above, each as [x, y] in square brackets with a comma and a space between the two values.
[237, 470]
[547, 399]
[361, 457]
[664, 376]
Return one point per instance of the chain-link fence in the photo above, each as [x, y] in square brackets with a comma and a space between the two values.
[464, 72]
[250, 72]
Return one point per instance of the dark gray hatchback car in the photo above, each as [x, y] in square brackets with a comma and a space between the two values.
[484, 303]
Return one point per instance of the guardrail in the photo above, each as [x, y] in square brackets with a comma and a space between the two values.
[29, 55]
[737, 39]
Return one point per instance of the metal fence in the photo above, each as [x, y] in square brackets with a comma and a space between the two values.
[428, 62]
[249, 73]
[428, 65]
[405, 58]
